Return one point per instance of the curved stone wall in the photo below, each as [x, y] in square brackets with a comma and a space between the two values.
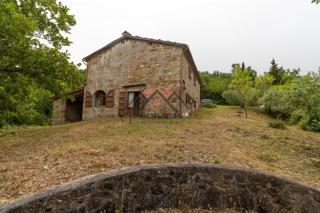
[173, 186]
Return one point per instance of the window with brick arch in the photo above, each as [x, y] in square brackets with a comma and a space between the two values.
[100, 98]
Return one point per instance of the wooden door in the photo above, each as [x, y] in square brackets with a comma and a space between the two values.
[123, 103]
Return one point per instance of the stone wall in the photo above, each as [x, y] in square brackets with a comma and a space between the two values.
[174, 186]
[132, 62]
[192, 88]
[58, 112]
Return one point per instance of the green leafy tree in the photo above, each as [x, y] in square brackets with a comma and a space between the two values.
[264, 82]
[252, 72]
[316, 1]
[32, 35]
[298, 100]
[277, 73]
[242, 85]
[214, 84]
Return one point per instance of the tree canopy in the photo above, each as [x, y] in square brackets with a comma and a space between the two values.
[241, 86]
[213, 85]
[32, 35]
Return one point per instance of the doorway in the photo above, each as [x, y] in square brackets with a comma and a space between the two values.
[74, 109]
[133, 103]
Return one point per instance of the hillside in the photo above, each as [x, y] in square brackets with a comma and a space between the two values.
[39, 157]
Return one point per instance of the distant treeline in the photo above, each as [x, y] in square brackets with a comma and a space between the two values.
[279, 92]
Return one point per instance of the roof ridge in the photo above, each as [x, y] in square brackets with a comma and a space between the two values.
[154, 39]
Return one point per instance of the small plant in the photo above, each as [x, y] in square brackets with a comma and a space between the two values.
[277, 124]
[215, 159]
[209, 105]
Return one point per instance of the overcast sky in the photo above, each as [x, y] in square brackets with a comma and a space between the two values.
[218, 32]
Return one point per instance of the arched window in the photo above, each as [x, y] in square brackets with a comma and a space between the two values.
[100, 98]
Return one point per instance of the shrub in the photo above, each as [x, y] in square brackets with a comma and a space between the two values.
[209, 105]
[277, 124]
[311, 122]
[232, 97]
[297, 116]
[275, 102]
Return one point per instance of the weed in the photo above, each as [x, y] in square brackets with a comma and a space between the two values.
[277, 124]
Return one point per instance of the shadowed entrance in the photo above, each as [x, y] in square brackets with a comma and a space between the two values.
[74, 107]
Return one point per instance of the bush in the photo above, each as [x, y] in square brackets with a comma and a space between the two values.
[275, 102]
[297, 116]
[232, 97]
[209, 105]
[311, 122]
[277, 124]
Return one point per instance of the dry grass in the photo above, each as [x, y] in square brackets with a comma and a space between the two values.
[193, 211]
[35, 158]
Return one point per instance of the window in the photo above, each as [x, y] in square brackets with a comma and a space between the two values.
[194, 80]
[100, 98]
[110, 99]
[187, 98]
[189, 72]
[131, 100]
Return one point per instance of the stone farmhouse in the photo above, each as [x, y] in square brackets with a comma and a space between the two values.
[135, 76]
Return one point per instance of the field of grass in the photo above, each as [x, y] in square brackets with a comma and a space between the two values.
[36, 158]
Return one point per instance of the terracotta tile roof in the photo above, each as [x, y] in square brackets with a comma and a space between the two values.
[126, 35]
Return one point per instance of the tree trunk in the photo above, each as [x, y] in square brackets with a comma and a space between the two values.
[245, 110]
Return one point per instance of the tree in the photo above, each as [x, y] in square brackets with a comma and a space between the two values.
[298, 100]
[277, 73]
[252, 72]
[214, 84]
[316, 1]
[32, 35]
[242, 84]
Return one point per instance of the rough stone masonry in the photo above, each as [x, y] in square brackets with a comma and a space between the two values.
[190, 186]
[136, 76]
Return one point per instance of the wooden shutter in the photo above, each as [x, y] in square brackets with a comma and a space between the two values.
[141, 103]
[123, 103]
[104, 99]
[110, 99]
[88, 99]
